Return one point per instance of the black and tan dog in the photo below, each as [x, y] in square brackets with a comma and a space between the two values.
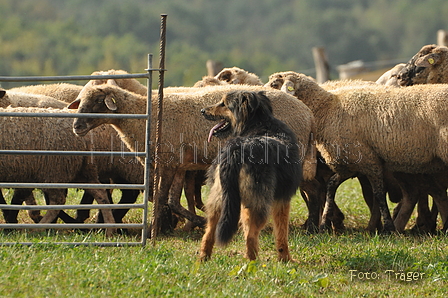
[257, 172]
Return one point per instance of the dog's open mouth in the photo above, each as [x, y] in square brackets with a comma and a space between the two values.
[222, 126]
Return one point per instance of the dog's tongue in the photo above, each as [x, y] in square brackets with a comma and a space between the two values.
[213, 130]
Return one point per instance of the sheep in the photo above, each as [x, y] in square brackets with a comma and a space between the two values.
[20, 99]
[390, 77]
[61, 91]
[128, 84]
[428, 66]
[236, 75]
[365, 131]
[120, 171]
[315, 192]
[39, 133]
[193, 196]
[185, 147]
[209, 81]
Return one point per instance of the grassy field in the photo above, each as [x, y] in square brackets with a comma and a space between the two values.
[354, 264]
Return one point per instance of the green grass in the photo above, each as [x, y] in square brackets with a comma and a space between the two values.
[327, 265]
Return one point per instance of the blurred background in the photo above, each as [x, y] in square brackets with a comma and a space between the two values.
[77, 37]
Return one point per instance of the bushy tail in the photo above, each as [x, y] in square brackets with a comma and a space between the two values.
[230, 167]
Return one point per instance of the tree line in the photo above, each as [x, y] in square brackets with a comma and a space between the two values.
[53, 37]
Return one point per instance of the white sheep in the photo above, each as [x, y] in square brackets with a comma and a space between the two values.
[390, 77]
[19, 99]
[236, 75]
[428, 66]
[365, 131]
[186, 146]
[43, 133]
[119, 169]
[61, 91]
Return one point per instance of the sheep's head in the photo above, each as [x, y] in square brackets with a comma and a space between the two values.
[425, 67]
[284, 81]
[97, 99]
[236, 75]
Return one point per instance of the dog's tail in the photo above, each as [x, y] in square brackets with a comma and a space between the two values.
[230, 168]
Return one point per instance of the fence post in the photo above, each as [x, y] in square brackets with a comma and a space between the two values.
[213, 67]
[442, 38]
[321, 64]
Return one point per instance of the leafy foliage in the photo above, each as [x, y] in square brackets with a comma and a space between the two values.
[52, 37]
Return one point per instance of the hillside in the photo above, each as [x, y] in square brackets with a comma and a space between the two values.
[53, 37]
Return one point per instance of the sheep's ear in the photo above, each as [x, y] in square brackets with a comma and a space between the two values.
[74, 105]
[428, 60]
[2, 93]
[288, 87]
[112, 82]
[224, 75]
[110, 102]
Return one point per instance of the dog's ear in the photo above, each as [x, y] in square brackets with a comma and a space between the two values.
[249, 100]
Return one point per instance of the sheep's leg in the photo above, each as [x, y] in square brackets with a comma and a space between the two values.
[21, 195]
[100, 196]
[83, 214]
[332, 186]
[379, 195]
[174, 200]
[2, 201]
[375, 215]
[406, 207]
[55, 197]
[441, 201]
[199, 180]
[160, 200]
[312, 196]
[426, 222]
[128, 196]
[190, 191]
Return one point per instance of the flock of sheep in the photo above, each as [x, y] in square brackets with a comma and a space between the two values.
[391, 134]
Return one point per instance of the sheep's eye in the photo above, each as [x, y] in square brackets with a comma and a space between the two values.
[100, 99]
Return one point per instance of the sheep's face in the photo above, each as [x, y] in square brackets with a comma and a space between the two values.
[97, 100]
[275, 81]
[425, 67]
[283, 81]
[231, 76]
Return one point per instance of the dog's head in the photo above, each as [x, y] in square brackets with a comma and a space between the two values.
[235, 111]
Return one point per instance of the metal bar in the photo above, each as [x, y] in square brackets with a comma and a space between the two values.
[145, 186]
[147, 173]
[64, 207]
[104, 244]
[157, 205]
[75, 78]
[72, 185]
[80, 153]
[74, 115]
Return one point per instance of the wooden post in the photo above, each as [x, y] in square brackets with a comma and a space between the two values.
[213, 67]
[321, 64]
[442, 38]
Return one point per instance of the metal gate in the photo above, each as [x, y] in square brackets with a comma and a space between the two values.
[145, 186]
